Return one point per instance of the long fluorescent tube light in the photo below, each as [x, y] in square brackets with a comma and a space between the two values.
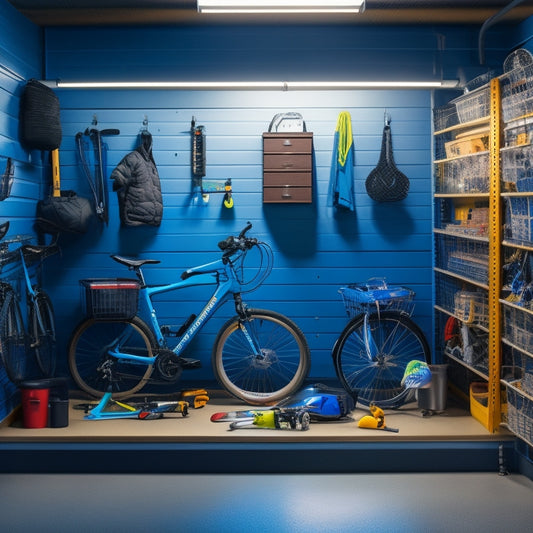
[261, 85]
[281, 6]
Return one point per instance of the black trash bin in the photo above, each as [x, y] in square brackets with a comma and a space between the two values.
[58, 403]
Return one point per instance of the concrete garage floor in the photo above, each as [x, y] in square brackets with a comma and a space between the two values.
[410, 503]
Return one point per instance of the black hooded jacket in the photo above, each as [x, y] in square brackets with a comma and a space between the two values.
[137, 184]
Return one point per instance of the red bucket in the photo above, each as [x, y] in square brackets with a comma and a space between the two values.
[34, 405]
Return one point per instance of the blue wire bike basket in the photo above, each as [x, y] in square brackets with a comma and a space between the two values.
[374, 296]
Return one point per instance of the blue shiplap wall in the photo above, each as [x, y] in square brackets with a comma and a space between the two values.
[20, 59]
[316, 248]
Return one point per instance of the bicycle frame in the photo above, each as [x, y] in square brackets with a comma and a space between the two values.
[98, 412]
[220, 273]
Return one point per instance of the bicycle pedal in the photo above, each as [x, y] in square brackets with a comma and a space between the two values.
[187, 363]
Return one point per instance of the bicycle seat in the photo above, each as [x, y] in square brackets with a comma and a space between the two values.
[134, 263]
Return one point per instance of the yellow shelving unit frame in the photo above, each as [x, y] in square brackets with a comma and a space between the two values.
[495, 261]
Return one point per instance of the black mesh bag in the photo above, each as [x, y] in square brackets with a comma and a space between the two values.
[40, 124]
[386, 183]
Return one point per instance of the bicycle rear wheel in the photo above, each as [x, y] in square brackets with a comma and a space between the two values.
[13, 343]
[370, 356]
[92, 365]
[270, 374]
[42, 328]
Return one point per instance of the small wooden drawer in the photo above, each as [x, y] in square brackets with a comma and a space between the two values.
[287, 167]
[286, 162]
[284, 179]
[294, 143]
[287, 194]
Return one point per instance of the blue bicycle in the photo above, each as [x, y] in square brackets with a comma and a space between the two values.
[259, 356]
[378, 343]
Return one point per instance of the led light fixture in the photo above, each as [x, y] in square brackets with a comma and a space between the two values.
[281, 6]
[251, 85]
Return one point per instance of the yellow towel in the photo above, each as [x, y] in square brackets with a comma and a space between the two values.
[345, 140]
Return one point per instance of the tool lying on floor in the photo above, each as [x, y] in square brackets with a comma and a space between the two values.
[375, 421]
[277, 418]
[196, 398]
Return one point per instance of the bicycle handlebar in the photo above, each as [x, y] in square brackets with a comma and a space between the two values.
[233, 244]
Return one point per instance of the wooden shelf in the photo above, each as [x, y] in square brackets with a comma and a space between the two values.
[465, 125]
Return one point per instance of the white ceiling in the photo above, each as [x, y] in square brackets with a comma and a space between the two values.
[135, 12]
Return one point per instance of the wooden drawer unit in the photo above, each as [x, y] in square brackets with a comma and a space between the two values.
[287, 167]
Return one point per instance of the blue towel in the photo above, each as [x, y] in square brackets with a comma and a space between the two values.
[341, 174]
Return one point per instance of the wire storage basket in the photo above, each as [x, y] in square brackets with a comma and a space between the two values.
[465, 174]
[445, 117]
[517, 168]
[520, 412]
[527, 380]
[462, 300]
[111, 298]
[518, 327]
[375, 295]
[517, 92]
[518, 132]
[465, 257]
[519, 216]
[473, 105]
[471, 307]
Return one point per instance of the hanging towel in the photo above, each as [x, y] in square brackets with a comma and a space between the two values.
[341, 174]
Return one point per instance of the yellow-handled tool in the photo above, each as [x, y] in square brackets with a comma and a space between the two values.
[56, 180]
[376, 421]
[369, 422]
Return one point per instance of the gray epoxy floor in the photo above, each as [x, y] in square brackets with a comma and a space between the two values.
[473, 502]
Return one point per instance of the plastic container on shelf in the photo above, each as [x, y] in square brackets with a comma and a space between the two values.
[479, 402]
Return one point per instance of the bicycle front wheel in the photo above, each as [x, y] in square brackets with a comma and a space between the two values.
[42, 328]
[91, 361]
[371, 355]
[268, 373]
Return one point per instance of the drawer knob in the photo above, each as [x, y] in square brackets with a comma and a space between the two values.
[287, 142]
[288, 164]
[286, 193]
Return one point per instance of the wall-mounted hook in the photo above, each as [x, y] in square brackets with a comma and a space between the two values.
[145, 122]
[386, 118]
[95, 120]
